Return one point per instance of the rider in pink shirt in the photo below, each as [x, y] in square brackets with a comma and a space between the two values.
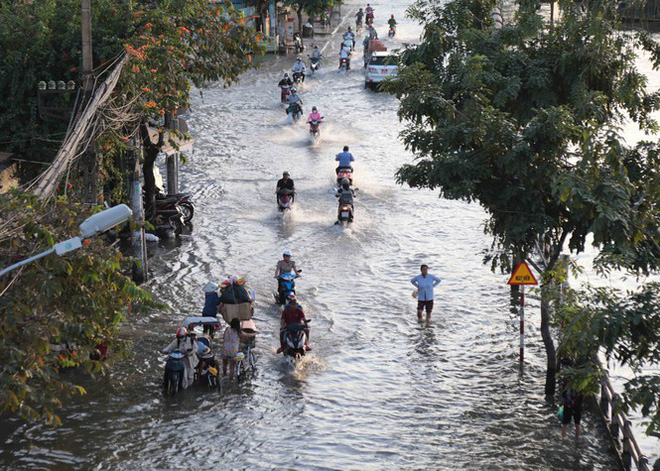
[314, 115]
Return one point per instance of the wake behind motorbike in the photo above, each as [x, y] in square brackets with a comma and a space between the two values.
[286, 285]
[285, 199]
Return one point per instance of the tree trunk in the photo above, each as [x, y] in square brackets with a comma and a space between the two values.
[300, 23]
[550, 382]
[151, 152]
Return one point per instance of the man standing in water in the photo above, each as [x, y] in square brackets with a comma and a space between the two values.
[425, 284]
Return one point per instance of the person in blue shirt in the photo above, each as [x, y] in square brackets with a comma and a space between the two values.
[425, 284]
[344, 158]
[212, 300]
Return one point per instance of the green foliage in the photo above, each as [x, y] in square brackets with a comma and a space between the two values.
[78, 300]
[524, 121]
[625, 326]
[311, 7]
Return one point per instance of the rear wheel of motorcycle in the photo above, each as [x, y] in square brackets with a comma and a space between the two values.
[173, 387]
[188, 211]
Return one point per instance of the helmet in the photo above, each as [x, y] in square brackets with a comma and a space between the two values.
[286, 74]
[181, 332]
[285, 173]
[349, 29]
[316, 46]
[345, 183]
[392, 16]
[298, 59]
[287, 253]
[314, 108]
[294, 89]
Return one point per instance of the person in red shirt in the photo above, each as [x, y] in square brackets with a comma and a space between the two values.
[292, 314]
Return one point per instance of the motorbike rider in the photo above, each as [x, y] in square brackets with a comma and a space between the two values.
[345, 195]
[358, 18]
[294, 100]
[187, 345]
[285, 183]
[344, 158]
[292, 315]
[316, 54]
[286, 265]
[373, 34]
[299, 68]
[285, 85]
[392, 22]
[345, 54]
[349, 36]
[369, 11]
[314, 115]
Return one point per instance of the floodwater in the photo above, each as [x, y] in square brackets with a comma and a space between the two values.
[379, 390]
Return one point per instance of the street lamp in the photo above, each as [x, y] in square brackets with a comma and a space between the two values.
[92, 226]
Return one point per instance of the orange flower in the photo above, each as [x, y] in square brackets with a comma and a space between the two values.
[146, 90]
[150, 104]
[162, 111]
[136, 69]
[154, 70]
[148, 25]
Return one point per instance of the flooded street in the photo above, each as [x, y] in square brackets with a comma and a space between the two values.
[379, 390]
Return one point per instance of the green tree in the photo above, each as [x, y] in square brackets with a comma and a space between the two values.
[524, 120]
[77, 301]
[311, 7]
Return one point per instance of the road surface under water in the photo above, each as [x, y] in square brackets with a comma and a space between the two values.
[379, 390]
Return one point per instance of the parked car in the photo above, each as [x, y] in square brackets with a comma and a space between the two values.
[382, 65]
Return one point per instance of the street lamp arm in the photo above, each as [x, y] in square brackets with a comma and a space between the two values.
[26, 261]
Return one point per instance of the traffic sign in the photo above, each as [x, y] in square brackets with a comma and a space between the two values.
[522, 275]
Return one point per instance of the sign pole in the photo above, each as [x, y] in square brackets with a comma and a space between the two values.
[522, 326]
[522, 276]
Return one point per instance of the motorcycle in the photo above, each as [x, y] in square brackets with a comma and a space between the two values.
[391, 32]
[182, 200]
[286, 285]
[369, 18]
[285, 198]
[295, 110]
[345, 64]
[345, 213]
[284, 95]
[294, 340]
[314, 128]
[314, 64]
[344, 173]
[168, 220]
[174, 371]
[297, 77]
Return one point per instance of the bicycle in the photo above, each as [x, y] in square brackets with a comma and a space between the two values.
[247, 361]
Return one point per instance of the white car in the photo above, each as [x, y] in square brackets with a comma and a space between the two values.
[382, 65]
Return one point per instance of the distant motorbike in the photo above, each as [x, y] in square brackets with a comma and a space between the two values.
[295, 110]
[298, 77]
[344, 172]
[314, 65]
[391, 32]
[345, 213]
[314, 128]
[284, 95]
[285, 198]
[294, 340]
[345, 64]
[182, 200]
[174, 371]
[168, 220]
[286, 285]
[369, 19]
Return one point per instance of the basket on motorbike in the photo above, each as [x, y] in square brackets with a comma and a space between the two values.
[242, 312]
[249, 330]
[210, 324]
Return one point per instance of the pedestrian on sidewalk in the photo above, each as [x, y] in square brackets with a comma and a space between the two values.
[571, 400]
[425, 284]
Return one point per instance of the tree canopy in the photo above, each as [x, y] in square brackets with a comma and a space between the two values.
[525, 120]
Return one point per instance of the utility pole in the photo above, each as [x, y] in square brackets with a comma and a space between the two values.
[88, 66]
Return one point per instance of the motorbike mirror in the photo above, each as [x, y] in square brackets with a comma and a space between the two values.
[307, 321]
[299, 271]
